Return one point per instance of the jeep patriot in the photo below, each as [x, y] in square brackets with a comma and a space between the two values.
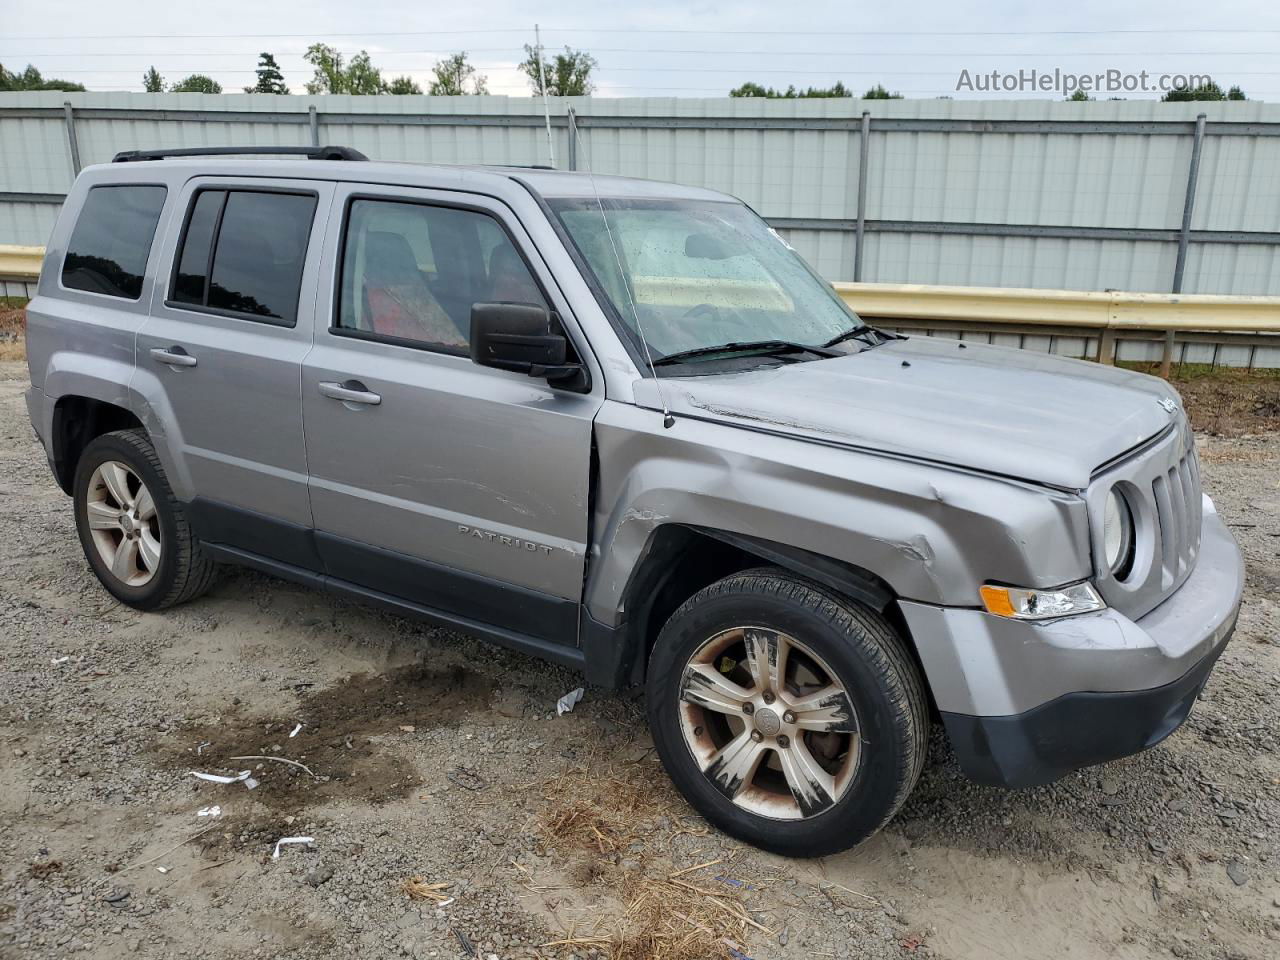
[622, 425]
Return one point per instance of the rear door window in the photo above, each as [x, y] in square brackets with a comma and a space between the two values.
[112, 239]
[243, 252]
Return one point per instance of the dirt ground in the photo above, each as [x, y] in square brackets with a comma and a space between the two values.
[454, 815]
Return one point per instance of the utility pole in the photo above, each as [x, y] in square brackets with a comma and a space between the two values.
[546, 107]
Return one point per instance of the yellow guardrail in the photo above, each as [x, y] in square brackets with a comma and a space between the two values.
[1070, 308]
[20, 263]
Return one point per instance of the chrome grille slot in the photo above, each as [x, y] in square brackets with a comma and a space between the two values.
[1162, 483]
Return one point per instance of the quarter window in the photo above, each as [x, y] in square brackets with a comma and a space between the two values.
[243, 252]
[112, 240]
[411, 272]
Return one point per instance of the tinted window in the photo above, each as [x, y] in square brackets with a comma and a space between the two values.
[413, 272]
[193, 268]
[259, 243]
[112, 239]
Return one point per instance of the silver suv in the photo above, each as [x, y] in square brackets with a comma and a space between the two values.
[621, 425]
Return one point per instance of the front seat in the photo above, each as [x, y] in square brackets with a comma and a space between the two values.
[400, 303]
[509, 279]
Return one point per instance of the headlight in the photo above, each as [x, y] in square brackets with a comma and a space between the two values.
[1019, 603]
[1117, 534]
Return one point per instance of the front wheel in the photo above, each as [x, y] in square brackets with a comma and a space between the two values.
[788, 716]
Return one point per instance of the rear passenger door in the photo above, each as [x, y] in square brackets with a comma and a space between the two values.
[221, 357]
[458, 487]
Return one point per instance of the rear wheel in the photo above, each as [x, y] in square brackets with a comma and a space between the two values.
[788, 716]
[133, 530]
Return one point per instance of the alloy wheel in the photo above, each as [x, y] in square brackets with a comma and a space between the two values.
[769, 723]
[123, 522]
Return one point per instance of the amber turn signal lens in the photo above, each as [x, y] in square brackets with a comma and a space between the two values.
[996, 600]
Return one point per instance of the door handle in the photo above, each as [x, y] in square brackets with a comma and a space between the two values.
[173, 356]
[350, 391]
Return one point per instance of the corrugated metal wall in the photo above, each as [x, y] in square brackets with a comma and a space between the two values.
[1092, 193]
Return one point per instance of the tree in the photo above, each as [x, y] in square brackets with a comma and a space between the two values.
[270, 79]
[403, 85]
[1078, 97]
[30, 79]
[568, 74]
[152, 82]
[750, 89]
[452, 76]
[878, 92]
[1205, 91]
[196, 83]
[334, 75]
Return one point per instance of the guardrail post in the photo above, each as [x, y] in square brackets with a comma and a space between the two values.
[1184, 236]
[314, 120]
[863, 137]
[573, 139]
[72, 143]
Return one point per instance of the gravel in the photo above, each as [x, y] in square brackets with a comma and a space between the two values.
[440, 758]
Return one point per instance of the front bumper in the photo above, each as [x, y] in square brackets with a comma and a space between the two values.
[1026, 703]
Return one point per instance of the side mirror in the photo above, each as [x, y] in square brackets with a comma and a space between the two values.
[518, 337]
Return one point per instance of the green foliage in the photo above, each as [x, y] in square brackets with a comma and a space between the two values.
[402, 86]
[152, 82]
[334, 75]
[30, 79]
[196, 83]
[270, 79]
[567, 74]
[452, 76]
[750, 89]
[1078, 97]
[1206, 91]
[878, 92]
[360, 77]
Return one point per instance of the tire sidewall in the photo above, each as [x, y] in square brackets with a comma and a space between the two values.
[884, 761]
[113, 447]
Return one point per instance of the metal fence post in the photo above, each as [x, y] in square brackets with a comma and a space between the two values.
[573, 139]
[863, 137]
[1188, 205]
[314, 120]
[72, 143]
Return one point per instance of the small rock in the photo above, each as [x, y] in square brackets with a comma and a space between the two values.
[1236, 871]
[320, 873]
[1110, 785]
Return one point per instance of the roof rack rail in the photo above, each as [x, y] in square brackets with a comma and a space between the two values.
[311, 153]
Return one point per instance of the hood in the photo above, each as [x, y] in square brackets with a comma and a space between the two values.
[1030, 416]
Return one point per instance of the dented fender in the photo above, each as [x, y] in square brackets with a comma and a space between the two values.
[933, 533]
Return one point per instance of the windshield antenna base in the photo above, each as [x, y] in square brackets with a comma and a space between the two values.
[668, 421]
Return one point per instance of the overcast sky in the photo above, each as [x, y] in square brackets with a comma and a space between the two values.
[660, 48]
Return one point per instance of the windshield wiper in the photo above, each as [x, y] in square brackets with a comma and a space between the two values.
[771, 348]
[868, 335]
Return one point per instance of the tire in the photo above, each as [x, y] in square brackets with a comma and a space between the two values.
[832, 769]
[163, 564]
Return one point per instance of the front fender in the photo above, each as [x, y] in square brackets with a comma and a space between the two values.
[934, 534]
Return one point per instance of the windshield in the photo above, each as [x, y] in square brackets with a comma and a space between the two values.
[701, 273]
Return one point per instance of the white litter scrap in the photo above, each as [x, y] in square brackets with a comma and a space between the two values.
[162, 869]
[296, 731]
[214, 811]
[275, 855]
[57, 660]
[566, 703]
[244, 776]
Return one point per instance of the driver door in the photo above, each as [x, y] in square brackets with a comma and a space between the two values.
[455, 487]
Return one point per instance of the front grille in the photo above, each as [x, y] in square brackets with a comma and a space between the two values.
[1161, 482]
[1178, 511]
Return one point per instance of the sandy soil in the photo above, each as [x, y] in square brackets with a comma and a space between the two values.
[438, 758]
